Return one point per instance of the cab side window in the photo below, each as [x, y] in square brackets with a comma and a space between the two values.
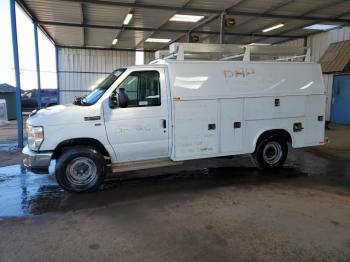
[142, 88]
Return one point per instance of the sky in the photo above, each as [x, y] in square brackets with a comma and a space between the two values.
[25, 34]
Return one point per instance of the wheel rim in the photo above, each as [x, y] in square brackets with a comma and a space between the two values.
[272, 153]
[81, 171]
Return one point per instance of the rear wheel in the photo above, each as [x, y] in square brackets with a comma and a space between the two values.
[271, 152]
[80, 169]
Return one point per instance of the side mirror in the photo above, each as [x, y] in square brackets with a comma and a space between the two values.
[119, 99]
[123, 99]
[113, 101]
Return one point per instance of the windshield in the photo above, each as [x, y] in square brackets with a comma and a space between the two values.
[96, 94]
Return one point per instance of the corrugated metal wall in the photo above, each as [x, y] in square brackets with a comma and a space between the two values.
[80, 70]
[148, 57]
[319, 44]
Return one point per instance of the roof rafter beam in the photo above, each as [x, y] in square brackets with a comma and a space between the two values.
[202, 10]
[83, 19]
[133, 28]
[122, 28]
[105, 48]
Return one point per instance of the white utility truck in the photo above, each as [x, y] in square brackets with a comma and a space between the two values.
[201, 101]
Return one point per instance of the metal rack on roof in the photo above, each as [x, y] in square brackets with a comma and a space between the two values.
[229, 52]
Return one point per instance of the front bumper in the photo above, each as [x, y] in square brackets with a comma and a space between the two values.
[36, 160]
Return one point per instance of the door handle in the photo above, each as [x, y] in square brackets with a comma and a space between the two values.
[164, 123]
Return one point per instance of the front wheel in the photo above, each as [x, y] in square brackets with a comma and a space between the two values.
[80, 169]
[271, 152]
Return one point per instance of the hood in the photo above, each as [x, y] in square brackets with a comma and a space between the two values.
[63, 114]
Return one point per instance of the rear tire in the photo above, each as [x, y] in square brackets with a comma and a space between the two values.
[80, 169]
[271, 152]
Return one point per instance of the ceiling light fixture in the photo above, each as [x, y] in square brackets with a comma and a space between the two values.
[158, 40]
[115, 41]
[259, 44]
[186, 18]
[322, 27]
[273, 28]
[128, 19]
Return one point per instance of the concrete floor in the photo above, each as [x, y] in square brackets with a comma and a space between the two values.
[217, 210]
[8, 132]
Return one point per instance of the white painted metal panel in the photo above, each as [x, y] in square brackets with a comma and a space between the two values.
[192, 137]
[253, 130]
[231, 137]
[195, 80]
[264, 107]
[313, 126]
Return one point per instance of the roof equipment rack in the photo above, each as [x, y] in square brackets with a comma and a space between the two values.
[228, 52]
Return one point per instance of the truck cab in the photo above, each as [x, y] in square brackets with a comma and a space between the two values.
[125, 118]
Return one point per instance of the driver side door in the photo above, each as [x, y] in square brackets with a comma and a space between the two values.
[140, 130]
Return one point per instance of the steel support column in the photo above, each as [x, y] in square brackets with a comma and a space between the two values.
[37, 60]
[17, 73]
[57, 74]
[189, 37]
[222, 28]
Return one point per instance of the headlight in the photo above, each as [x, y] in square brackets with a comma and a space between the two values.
[35, 136]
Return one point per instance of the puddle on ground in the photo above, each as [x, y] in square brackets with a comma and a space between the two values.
[25, 193]
[19, 186]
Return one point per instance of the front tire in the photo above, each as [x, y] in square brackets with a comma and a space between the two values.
[80, 169]
[271, 152]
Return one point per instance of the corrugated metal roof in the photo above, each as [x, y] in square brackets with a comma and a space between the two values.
[177, 3]
[146, 18]
[105, 15]
[301, 7]
[6, 88]
[100, 37]
[70, 36]
[216, 5]
[111, 13]
[57, 11]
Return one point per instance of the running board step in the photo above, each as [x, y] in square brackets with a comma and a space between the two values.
[145, 164]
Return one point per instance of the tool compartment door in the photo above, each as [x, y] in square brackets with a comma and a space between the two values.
[195, 129]
[232, 125]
